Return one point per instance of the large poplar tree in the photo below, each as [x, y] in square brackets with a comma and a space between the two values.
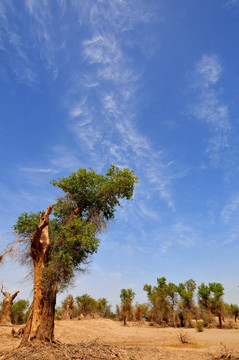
[61, 245]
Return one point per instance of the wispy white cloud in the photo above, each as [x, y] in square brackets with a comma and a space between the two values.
[102, 50]
[43, 34]
[62, 158]
[89, 134]
[121, 15]
[231, 209]
[32, 45]
[112, 274]
[208, 108]
[145, 211]
[229, 4]
[37, 170]
[104, 110]
[186, 235]
[105, 51]
[179, 234]
[101, 90]
[12, 44]
[209, 70]
[165, 246]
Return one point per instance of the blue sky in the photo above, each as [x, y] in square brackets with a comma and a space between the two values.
[150, 85]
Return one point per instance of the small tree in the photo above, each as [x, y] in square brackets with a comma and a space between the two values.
[204, 303]
[157, 295]
[216, 300]
[103, 307]
[86, 304]
[204, 296]
[235, 311]
[172, 296]
[126, 296]
[210, 299]
[163, 299]
[186, 292]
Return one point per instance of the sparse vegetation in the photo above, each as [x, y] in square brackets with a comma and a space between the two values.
[199, 325]
[184, 338]
[225, 354]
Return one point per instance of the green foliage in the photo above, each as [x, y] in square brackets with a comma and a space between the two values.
[86, 304]
[204, 292]
[127, 296]
[20, 310]
[227, 310]
[103, 307]
[163, 299]
[27, 224]
[95, 196]
[217, 291]
[210, 299]
[172, 294]
[199, 326]
[71, 245]
[89, 201]
[158, 295]
[186, 292]
[235, 311]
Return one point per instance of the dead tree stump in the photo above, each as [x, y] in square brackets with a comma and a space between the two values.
[7, 308]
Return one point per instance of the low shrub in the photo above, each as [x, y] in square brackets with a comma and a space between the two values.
[199, 325]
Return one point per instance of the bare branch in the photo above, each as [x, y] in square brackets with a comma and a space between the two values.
[12, 247]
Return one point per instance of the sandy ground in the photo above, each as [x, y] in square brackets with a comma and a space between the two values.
[135, 341]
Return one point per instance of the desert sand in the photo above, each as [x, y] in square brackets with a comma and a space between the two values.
[108, 339]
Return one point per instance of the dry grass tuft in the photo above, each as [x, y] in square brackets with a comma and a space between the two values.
[225, 354]
[184, 338]
[93, 350]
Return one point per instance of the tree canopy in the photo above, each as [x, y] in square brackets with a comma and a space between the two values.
[88, 202]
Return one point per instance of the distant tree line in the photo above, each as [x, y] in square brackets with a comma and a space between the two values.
[168, 304]
[84, 306]
[182, 304]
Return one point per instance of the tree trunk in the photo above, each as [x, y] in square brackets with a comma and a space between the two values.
[138, 314]
[7, 308]
[39, 249]
[124, 317]
[46, 328]
[220, 320]
[173, 316]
